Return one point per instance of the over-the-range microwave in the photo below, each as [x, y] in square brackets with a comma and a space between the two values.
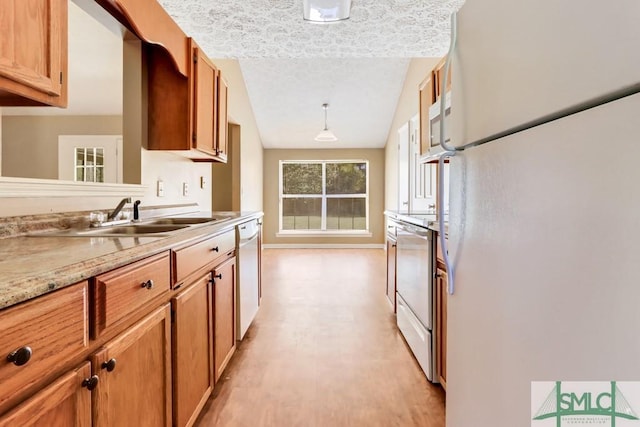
[435, 124]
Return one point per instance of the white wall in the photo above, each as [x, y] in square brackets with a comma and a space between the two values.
[175, 170]
[408, 106]
[171, 168]
[251, 151]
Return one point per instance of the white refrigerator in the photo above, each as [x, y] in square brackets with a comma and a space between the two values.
[544, 225]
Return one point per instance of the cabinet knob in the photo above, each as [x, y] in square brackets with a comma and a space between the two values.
[109, 365]
[148, 284]
[20, 356]
[217, 276]
[91, 382]
[216, 249]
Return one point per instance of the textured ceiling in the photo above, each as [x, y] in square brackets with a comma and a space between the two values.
[275, 28]
[287, 97]
[291, 67]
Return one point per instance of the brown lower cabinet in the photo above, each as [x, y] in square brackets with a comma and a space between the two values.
[224, 301]
[66, 402]
[135, 375]
[192, 350]
[153, 362]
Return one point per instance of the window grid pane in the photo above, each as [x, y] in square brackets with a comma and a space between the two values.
[342, 199]
[302, 213]
[302, 178]
[346, 213]
[346, 178]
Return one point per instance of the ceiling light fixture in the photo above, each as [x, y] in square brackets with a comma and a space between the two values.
[325, 134]
[326, 11]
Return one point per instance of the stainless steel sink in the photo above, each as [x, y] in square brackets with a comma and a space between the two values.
[158, 227]
[181, 221]
[131, 230]
[128, 230]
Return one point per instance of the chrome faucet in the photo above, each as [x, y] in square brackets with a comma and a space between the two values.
[113, 215]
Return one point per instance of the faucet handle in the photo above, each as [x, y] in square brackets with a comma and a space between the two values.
[136, 211]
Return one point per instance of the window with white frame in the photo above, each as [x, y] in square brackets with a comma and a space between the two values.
[89, 164]
[324, 196]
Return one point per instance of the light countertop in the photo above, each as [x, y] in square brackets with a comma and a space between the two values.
[32, 266]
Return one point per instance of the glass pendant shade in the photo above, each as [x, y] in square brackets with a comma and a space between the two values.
[325, 11]
[325, 134]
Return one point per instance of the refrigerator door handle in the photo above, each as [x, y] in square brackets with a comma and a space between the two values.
[441, 233]
[450, 151]
[447, 66]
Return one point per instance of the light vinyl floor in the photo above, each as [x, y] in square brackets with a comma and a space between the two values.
[324, 350]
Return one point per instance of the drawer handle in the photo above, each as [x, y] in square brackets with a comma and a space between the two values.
[217, 276]
[216, 249]
[21, 356]
[91, 382]
[148, 284]
[109, 365]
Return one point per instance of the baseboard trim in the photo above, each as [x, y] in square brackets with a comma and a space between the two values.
[323, 246]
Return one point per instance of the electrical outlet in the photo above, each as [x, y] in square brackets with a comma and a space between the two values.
[160, 188]
[185, 189]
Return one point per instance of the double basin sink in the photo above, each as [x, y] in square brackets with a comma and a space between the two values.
[154, 227]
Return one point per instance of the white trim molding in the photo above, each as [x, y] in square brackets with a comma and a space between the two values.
[323, 246]
[310, 233]
[27, 187]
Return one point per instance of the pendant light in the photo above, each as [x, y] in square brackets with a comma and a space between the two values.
[325, 134]
[326, 11]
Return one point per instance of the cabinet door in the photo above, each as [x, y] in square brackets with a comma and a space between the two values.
[192, 351]
[224, 300]
[33, 52]
[66, 402]
[204, 103]
[391, 272]
[441, 326]
[426, 99]
[222, 142]
[135, 375]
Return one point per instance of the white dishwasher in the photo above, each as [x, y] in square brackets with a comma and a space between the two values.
[247, 285]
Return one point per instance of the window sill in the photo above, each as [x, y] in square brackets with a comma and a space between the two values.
[311, 233]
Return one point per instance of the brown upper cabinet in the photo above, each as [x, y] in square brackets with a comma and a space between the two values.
[426, 95]
[187, 96]
[429, 92]
[437, 75]
[223, 121]
[33, 52]
[187, 113]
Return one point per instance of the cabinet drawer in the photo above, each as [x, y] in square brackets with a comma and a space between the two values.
[198, 255]
[121, 292]
[52, 328]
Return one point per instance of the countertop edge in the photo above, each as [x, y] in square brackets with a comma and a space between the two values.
[27, 287]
